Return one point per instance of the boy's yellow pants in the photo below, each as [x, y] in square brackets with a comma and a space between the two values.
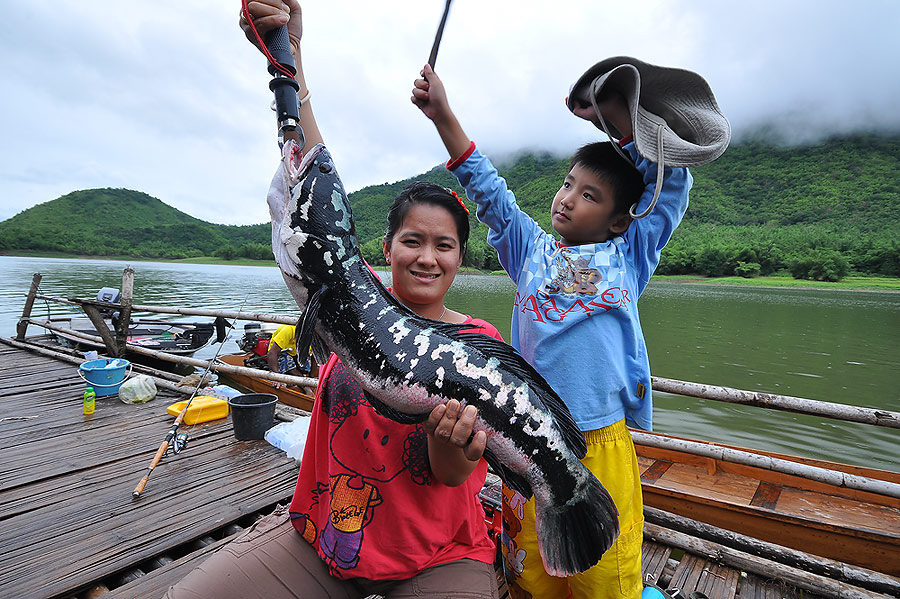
[612, 459]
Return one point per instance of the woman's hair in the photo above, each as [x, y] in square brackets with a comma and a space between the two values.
[422, 192]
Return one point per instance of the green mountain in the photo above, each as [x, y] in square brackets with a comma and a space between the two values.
[820, 211]
[121, 222]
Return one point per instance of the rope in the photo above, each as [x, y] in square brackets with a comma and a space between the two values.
[245, 13]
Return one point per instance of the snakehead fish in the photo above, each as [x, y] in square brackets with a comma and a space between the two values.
[408, 364]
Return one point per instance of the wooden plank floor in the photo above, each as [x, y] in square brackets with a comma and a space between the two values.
[67, 517]
[68, 521]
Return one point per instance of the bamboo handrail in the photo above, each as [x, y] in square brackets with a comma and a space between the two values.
[786, 403]
[217, 366]
[727, 454]
[236, 314]
[779, 402]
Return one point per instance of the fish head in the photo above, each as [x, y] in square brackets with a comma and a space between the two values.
[313, 233]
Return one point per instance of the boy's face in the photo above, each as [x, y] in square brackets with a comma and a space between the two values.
[582, 210]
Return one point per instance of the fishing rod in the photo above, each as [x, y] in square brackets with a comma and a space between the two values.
[432, 58]
[277, 48]
[173, 437]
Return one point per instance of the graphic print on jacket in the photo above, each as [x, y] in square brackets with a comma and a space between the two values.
[576, 285]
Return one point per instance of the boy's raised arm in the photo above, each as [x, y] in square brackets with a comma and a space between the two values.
[431, 98]
[271, 14]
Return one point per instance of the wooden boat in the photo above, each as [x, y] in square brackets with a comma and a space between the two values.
[843, 524]
[847, 525]
[291, 396]
[181, 339]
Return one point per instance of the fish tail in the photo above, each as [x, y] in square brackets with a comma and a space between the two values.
[574, 536]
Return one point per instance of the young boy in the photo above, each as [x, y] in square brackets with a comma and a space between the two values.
[575, 317]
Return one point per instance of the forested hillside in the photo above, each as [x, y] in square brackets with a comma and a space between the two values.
[819, 211]
[121, 222]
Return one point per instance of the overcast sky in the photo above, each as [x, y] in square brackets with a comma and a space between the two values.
[168, 98]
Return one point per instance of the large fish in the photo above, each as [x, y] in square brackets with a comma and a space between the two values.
[408, 364]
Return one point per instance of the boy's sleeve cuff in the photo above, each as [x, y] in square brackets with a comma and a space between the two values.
[454, 163]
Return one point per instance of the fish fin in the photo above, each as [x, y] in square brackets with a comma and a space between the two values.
[572, 537]
[540, 388]
[514, 481]
[306, 326]
[320, 351]
[390, 413]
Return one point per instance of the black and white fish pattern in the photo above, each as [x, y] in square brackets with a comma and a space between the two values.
[408, 364]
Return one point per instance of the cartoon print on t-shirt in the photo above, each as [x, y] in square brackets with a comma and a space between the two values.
[371, 458]
[574, 277]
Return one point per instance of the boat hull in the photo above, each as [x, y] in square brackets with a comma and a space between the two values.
[286, 395]
[843, 524]
[170, 337]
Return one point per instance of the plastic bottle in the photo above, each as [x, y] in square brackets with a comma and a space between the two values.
[88, 406]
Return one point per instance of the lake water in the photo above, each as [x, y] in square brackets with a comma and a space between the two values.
[837, 346]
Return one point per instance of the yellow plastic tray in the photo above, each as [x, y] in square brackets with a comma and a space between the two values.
[202, 409]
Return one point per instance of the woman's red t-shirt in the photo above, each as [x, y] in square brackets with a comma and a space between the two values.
[366, 498]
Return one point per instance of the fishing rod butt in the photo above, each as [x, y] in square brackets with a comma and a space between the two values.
[140, 487]
[285, 87]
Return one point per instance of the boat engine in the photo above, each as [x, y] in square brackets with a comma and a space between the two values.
[256, 343]
[110, 295]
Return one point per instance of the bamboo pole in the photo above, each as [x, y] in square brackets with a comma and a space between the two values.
[125, 313]
[820, 585]
[779, 402]
[234, 314]
[22, 325]
[303, 381]
[726, 454]
[861, 577]
[106, 336]
[724, 394]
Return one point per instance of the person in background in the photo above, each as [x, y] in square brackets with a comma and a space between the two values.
[282, 356]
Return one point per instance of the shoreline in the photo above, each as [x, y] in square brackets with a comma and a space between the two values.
[866, 283]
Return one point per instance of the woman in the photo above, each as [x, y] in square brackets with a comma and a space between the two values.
[379, 507]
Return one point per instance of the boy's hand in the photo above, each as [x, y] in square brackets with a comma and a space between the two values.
[613, 108]
[450, 426]
[271, 14]
[429, 95]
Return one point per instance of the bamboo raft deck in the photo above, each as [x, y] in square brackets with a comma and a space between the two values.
[71, 529]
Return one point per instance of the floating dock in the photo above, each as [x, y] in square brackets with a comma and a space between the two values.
[70, 528]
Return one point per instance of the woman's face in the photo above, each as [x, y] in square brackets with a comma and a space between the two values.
[425, 256]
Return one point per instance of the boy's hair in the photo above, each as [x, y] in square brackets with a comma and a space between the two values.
[422, 192]
[602, 159]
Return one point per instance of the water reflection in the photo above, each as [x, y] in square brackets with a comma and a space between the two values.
[836, 346]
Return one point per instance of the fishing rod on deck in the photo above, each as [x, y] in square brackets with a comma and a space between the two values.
[178, 441]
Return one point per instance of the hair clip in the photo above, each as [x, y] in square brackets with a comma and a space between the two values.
[453, 193]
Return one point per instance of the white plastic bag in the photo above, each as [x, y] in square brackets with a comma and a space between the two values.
[138, 389]
[290, 437]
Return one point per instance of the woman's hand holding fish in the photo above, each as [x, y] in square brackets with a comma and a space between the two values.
[452, 449]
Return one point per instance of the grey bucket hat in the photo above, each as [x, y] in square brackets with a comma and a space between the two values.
[674, 113]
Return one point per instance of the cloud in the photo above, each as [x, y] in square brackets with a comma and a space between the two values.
[168, 98]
